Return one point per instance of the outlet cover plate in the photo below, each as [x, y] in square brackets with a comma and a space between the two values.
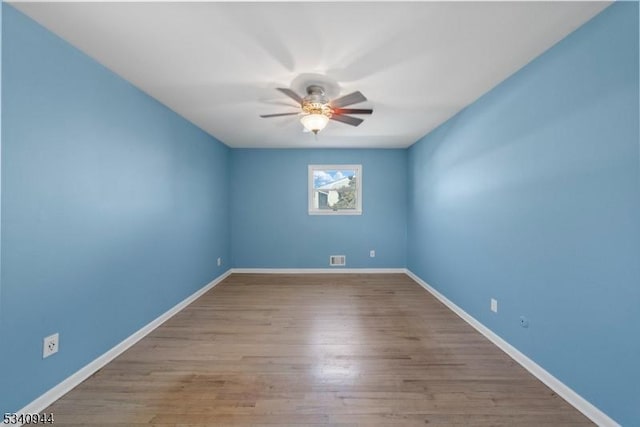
[50, 345]
[494, 305]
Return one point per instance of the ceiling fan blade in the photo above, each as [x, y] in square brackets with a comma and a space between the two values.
[352, 98]
[352, 111]
[277, 115]
[353, 121]
[291, 94]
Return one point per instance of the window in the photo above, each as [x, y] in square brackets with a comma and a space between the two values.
[335, 189]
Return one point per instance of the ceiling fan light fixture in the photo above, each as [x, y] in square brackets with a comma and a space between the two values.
[314, 122]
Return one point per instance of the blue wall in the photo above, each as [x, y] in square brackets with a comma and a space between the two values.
[1, 8]
[114, 209]
[532, 196]
[271, 226]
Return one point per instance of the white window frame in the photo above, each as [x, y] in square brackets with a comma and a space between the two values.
[356, 211]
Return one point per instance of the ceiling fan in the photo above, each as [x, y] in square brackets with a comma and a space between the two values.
[317, 109]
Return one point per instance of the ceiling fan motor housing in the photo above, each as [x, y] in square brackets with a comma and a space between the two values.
[316, 102]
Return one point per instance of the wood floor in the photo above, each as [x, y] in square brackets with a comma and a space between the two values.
[340, 350]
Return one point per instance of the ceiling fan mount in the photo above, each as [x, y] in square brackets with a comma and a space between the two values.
[316, 108]
[315, 90]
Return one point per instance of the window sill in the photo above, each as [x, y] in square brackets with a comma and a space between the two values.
[352, 212]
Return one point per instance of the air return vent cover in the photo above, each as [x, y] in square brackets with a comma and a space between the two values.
[337, 260]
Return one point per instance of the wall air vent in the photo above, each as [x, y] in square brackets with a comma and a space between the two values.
[337, 260]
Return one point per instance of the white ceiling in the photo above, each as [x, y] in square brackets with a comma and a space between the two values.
[218, 64]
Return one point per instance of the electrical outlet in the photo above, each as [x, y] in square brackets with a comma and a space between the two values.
[372, 253]
[219, 261]
[494, 305]
[50, 345]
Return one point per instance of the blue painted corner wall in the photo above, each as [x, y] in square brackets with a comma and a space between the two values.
[114, 209]
[271, 226]
[531, 196]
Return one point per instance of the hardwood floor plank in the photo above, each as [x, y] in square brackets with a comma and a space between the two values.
[340, 350]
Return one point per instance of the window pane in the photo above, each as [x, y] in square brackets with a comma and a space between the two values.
[335, 189]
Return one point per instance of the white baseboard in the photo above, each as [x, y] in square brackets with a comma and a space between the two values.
[334, 270]
[75, 379]
[573, 398]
